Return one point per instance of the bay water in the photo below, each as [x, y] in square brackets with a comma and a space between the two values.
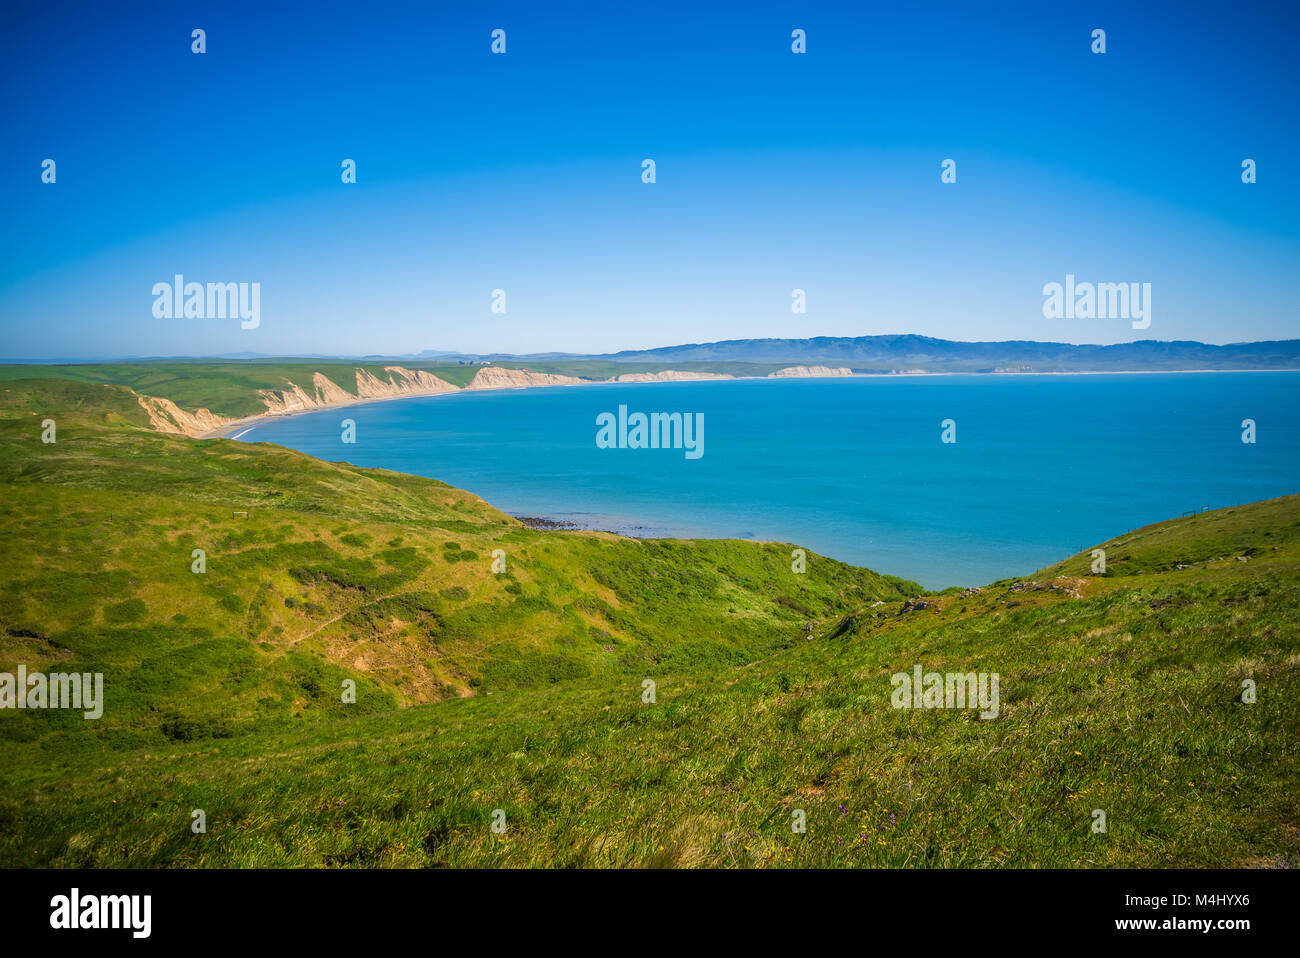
[1042, 466]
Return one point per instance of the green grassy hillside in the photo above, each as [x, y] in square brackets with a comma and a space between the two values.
[523, 691]
[316, 571]
[230, 388]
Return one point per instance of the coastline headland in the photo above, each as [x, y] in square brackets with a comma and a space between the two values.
[404, 383]
[407, 383]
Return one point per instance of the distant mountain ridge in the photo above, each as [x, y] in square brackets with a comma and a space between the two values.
[863, 354]
[911, 353]
[908, 352]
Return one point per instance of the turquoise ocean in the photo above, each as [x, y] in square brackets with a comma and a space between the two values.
[1042, 466]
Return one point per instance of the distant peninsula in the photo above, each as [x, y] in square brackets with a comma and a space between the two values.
[910, 353]
[205, 397]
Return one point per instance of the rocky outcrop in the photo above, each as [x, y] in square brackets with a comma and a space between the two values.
[498, 377]
[166, 416]
[916, 606]
[1070, 586]
[810, 372]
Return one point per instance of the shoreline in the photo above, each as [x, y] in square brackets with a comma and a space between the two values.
[250, 422]
[559, 516]
[255, 420]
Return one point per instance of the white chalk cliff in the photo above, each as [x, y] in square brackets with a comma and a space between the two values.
[166, 416]
[498, 377]
[811, 372]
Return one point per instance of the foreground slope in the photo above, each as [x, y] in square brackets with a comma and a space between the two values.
[1120, 693]
[316, 572]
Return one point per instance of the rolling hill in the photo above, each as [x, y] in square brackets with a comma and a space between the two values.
[522, 691]
[910, 352]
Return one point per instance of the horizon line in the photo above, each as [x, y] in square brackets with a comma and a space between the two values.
[433, 355]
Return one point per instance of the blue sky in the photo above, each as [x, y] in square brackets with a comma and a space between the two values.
[522, 172]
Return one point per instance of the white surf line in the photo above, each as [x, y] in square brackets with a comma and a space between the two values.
[244, 433]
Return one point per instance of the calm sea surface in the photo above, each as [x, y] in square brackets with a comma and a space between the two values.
[1043, 466]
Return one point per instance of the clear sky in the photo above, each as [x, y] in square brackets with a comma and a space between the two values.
[522, 172]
